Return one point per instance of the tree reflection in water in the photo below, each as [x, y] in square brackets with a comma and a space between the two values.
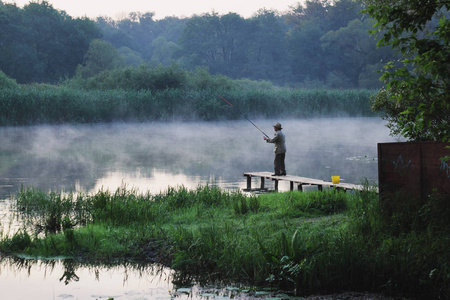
[45, 278]
[69, 272]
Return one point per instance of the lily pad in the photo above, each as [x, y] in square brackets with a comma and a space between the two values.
[184, 290]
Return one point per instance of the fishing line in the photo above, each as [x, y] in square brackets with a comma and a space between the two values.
[244, 116]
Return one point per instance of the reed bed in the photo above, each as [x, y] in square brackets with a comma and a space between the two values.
[316, 242]
[39, 104]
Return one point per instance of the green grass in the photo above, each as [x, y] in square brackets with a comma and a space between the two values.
[304, 242]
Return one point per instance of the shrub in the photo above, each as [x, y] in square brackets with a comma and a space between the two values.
[6, 82]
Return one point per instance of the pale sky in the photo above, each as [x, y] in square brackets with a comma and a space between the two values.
[162, 8]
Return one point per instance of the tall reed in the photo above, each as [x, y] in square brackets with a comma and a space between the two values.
[37, 104]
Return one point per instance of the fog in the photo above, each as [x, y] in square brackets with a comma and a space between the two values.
[153, 156]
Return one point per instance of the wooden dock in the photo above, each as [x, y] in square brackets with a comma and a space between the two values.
[295, 182]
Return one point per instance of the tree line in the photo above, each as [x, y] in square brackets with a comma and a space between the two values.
[320, 43]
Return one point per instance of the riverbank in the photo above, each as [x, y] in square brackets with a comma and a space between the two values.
[307, 243]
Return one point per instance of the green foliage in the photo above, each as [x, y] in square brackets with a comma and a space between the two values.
[46, 211]
[243, 204]
[416, 99]
[217, 42]
[296, 204]
[101, 56]
[47, 45]
[181, 198]
[144, 78]
[299, 103]
[321, 203]
[44, 44]
[201, 79]
[38, 104]
[6, 82]
[404, 233]
[306, 242]
[121, 208]
[19, 242]
[351, 62]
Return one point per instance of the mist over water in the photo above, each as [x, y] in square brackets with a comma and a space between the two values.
[153, 156]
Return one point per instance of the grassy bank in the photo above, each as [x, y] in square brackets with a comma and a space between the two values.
[303, 242]
[45, 104]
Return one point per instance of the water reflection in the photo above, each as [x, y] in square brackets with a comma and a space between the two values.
[22, 278]
[158, 180]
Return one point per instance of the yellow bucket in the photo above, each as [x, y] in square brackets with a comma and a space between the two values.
[335, 179]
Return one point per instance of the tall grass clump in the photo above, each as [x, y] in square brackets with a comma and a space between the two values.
[47, 211]
[181, 198]
[121, 208]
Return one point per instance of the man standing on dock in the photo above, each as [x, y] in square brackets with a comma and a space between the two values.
[280, 150]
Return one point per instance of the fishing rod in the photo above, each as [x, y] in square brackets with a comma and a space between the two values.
[244, 116]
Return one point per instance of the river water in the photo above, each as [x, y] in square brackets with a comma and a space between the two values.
[151, 157]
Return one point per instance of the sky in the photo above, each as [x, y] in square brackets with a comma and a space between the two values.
[162, 8]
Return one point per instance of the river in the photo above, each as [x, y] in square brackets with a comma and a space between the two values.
[151, 157]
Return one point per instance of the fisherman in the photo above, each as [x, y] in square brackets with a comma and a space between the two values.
[280, 150]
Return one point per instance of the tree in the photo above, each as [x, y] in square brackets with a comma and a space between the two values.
[267, 53]
[309, 52]
[101, 56]
[306, 55]
[217, 42]
[349, 50]
[6, 82]
[342, 12]
[41, 44]
[313, 11]
[416, 97]
[130, 57]
[163, 51]
[16, 55]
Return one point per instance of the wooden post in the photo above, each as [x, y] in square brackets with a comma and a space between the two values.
[291, 186]
[300, 187]
[262, 183]
[249, 182]
[320, 187]
[276, 184]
